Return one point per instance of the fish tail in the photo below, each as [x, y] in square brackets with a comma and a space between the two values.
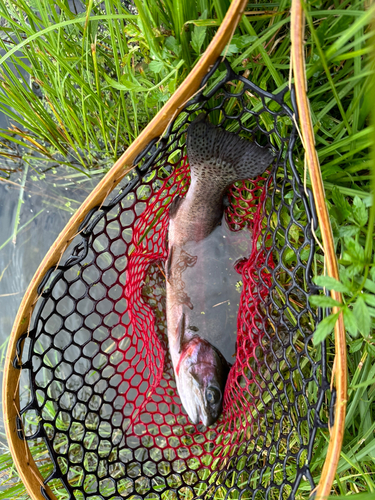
[212, 150]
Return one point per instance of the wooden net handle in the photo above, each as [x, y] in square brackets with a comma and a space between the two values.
[339, 371]
[23, 460]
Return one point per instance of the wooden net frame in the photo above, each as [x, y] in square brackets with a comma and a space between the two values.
[24, 462]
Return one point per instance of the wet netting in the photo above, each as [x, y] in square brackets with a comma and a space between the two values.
[98, 394]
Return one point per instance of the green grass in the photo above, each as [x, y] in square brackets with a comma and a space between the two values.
[104, 74]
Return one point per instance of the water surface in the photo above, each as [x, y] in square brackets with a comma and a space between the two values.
[33, 211]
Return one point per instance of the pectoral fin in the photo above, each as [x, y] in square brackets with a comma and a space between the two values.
[168, 267]
[181, 327]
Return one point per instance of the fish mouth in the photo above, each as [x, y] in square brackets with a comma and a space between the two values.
[207, 420]
[189, 403]
[195, 408]
[205, 415]
[197, 413]
[195, 420]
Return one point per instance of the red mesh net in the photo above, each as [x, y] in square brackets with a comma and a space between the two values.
[154, 370]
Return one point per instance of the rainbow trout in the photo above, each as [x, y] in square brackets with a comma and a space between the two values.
[217, 159]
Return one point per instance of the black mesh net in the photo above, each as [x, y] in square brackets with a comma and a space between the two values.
[98, 397]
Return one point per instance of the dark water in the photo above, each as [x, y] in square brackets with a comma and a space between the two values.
[33, 211]
[44, 208]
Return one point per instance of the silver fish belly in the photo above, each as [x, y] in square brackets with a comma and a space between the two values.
[217, 159]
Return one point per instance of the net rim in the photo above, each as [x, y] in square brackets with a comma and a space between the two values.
[339, 372]
[23, 461]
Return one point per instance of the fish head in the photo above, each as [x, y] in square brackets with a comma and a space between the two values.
[201, 382]
[208, 391]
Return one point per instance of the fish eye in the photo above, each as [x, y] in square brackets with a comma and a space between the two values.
[213, 395]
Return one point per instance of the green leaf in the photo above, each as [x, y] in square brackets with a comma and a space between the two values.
[324, 328]
[345, 231]
[368, 201]
[156, 66]
[354, 250]
[356, 345]
[126, 85]
[370, 285]
[172, 45]
[197, 38]
[341, 204]
[369, 299]
[204, 22]
[370, 348]
[323, 301]
[331, 284]
[243, 41]
[359, 211]
[322, 30]
[346, 279]
[350, 322]
[362, 316]
[353, 254]
[230, 50]
[131, 86]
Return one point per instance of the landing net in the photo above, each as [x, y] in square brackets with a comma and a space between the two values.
[98, 395]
